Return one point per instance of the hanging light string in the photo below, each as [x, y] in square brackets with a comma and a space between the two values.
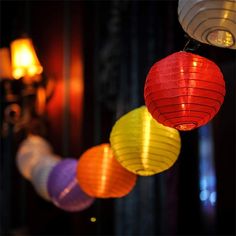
[189, 116]
[191, 44]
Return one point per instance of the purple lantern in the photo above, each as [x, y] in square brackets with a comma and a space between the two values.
[63, 187]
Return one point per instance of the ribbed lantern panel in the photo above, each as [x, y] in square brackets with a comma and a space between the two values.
[142, 145]
[63, 187]
[209, 21]
[40, 174]
[100, 175]
[184, 90]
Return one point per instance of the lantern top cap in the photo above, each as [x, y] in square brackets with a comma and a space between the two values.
[189, 57]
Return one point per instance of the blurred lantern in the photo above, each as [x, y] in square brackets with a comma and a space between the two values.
[100, 175]
[63, 187]
[142, 145]
[32, 150]
[208, 21]
[40, 174]
[25, 62]
[184, 90]
[5, 64]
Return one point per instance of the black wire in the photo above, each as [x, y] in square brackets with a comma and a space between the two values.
[191, 45]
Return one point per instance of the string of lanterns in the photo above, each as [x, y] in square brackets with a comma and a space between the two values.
[139, 146]
[182, 92]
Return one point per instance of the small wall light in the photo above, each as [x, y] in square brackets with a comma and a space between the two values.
[25, 62]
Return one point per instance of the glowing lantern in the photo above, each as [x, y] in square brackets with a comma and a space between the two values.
[63, 187]
[100, 175]
[40, 174]
[5, 64]
[184, 90]
[32, 150]
[142, 145]
[25, 62]
[208, 21]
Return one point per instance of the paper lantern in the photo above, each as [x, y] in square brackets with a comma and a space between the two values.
[184, 90]
[40, 174]
[32, 150]
[63, 187]
[142, 145]
[100, 175]
[209, 21]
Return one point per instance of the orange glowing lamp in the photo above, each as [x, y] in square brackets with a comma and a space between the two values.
[25, 62]
[101, 175]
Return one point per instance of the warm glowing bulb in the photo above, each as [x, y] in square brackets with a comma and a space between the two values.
[194, 63]
[24, 59]
[220, 38]
[93, 219]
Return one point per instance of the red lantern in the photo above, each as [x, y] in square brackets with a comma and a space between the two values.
[184, 90]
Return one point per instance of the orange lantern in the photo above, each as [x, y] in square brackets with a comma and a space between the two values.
[184, 91]
[100, 175]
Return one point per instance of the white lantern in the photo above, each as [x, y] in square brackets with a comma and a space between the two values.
[33, 149]
[40, 174]
[209, 21]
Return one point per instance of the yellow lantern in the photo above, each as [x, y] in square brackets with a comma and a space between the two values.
[25, 62]
[142, 145]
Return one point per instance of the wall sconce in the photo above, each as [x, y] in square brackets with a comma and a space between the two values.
[22, 85]
[25, 62]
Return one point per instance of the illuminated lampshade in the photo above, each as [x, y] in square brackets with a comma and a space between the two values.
[142, 145]
[25, 62]
[40, 174]
[32, 150]
[5, 64]
[209, 21]
[100, 175]
[184, 90]
[63, 187]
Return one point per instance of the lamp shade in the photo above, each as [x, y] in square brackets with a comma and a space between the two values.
[25, 62]
[100, 175]
[209, 21]
[40, 174]
[142, 145]
[32, 150]
[184, 90]
[5, 64]
[63, 187]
